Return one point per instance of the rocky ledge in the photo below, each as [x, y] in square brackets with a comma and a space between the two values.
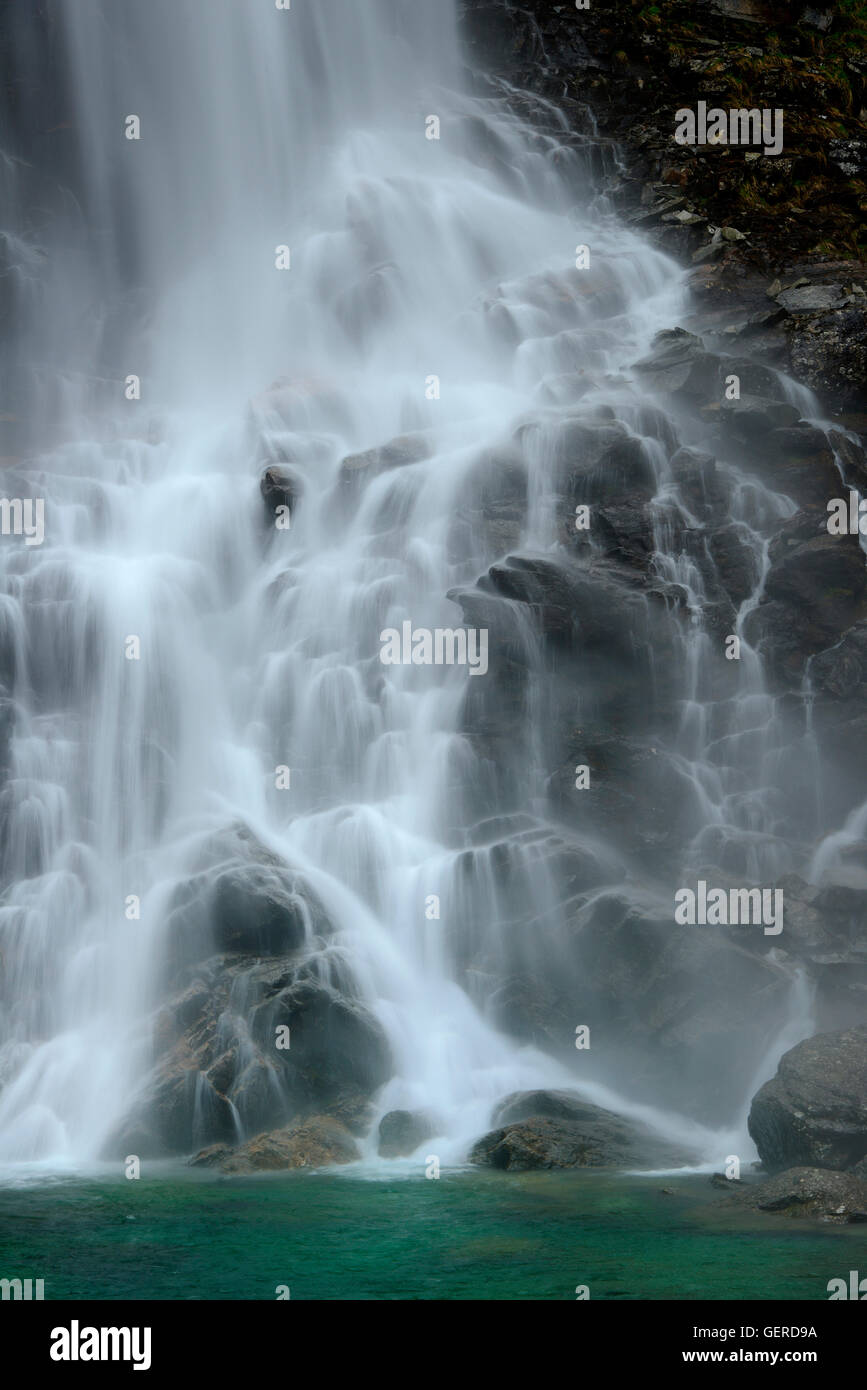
[777, 241]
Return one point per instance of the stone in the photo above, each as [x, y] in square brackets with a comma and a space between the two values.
[558, 1129]
[813, 1113]
[402, 1131]
[316, 1142]
[814, 1192]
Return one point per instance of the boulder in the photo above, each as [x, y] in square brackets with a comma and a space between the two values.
[557, 1129]
[813, 1113]
[678, 365]
[840, 1197]
[316, 1142]
[251, 903]
[401, 1132]
[262, 1021]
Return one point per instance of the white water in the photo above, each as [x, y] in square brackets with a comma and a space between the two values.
[409, 258]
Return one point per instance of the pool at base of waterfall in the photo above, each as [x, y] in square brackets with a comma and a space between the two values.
[467, 1235]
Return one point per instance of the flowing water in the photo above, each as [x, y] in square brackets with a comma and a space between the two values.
[295, 273]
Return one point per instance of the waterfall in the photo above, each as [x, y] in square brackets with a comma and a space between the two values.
[300, 240]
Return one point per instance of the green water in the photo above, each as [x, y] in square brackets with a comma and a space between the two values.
[467, 1235]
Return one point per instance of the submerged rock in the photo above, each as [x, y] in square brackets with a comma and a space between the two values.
[814, 1111]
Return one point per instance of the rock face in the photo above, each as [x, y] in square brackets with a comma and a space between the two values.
[401, 1132]
[555, 1129]
[813, 1113]
[264, 1024]
[738, 216]
[317, 1142]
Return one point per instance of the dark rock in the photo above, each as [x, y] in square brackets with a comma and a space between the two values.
[401, 1132]
[252, 904]
[735, 562]
[811, 298]
[556, 1129]
[829, 353]
[280, 487]
[263, 911]
[814, 1111]
[696, 475]
[263, 1024]
[665, 1000]
[593, 462]
[220, 1073]
[540, 1143]
[803, 1191]
[816, 589]
[756, 415]
[679, 365]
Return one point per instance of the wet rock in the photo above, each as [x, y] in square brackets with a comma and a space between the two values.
[695, 473]
[813, 1192]
[851, 457]
[587, 606]
[401, 1132]
[820, 574]
[840, 672]
[555, 1129]
[255, 905]
[816, 589]
[679, 365]
[225, 1068]
[624, 531]
[316, 1142]
[338, 1050]
[667, 1000]
[756, 415]
[357, 470]
[280, 487]
[735, 562]
[638, 797]
[491, 508]
[813, 1113]
[799, 461]
[593, 462]
[262, 1023]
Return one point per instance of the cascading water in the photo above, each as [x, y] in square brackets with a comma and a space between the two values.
[297, 275]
